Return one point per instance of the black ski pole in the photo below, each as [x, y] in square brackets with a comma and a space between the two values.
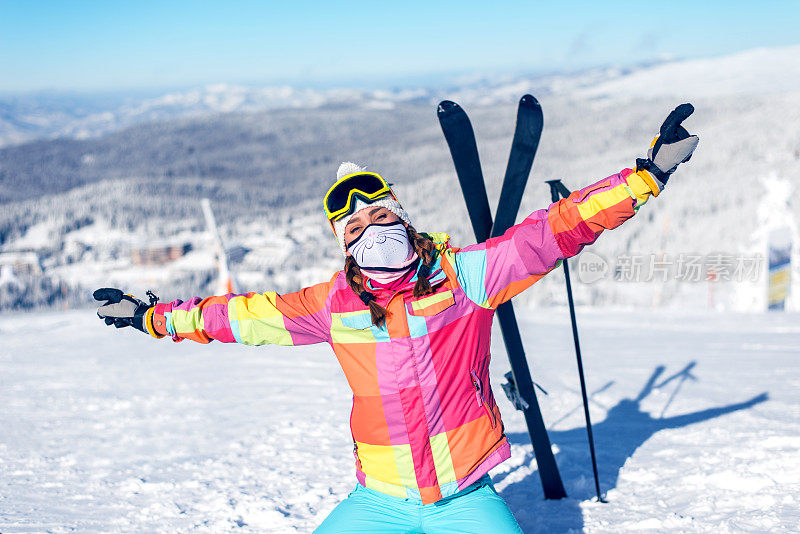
[558, 189]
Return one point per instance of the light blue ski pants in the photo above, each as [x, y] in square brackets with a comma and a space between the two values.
[477, 509]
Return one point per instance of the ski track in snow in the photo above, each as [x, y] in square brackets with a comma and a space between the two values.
[697, 425]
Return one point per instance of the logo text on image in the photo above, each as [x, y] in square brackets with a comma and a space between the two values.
[592, 267]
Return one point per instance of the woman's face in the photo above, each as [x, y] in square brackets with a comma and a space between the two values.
[364, 218]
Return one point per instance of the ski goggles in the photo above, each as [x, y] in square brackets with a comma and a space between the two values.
[340, 200]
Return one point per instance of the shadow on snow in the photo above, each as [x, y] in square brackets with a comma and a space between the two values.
[625, 428]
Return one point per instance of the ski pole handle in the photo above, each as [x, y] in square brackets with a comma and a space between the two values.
[557, 189]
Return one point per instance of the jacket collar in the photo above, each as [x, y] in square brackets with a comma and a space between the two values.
[437, 275]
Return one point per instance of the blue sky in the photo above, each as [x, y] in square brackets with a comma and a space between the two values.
[110, 45]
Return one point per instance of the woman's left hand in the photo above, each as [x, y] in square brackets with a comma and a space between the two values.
[673, 146]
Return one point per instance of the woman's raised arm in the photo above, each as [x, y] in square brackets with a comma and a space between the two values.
[500, 268]
[298, 318]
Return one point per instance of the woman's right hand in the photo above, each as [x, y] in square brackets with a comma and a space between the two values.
[123, 310]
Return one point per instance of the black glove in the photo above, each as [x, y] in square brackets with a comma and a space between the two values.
[672, 147]
[123, 310]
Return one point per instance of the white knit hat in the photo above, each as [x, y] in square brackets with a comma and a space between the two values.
[387, 202]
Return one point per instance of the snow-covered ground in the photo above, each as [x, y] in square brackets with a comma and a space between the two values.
[697, 423]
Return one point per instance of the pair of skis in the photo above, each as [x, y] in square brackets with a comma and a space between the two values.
[460, 139]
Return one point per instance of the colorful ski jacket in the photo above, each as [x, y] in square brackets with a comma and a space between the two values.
[424, 421]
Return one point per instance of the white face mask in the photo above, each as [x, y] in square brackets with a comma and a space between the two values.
[381, 246]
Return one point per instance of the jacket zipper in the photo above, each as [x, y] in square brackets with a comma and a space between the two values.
[480, 399]
[355, 454]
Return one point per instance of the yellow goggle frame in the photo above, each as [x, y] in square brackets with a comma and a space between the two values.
[354, 193]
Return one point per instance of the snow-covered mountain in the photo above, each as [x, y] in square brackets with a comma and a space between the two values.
[51, 115]
[758, 71]
[143, 183]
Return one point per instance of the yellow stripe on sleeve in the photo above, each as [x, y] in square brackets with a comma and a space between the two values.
[259, 321]
[600, 201]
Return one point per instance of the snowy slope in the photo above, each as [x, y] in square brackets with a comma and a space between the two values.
[760, 71]
[697, 420]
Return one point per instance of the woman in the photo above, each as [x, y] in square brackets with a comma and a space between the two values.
[409, 319]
